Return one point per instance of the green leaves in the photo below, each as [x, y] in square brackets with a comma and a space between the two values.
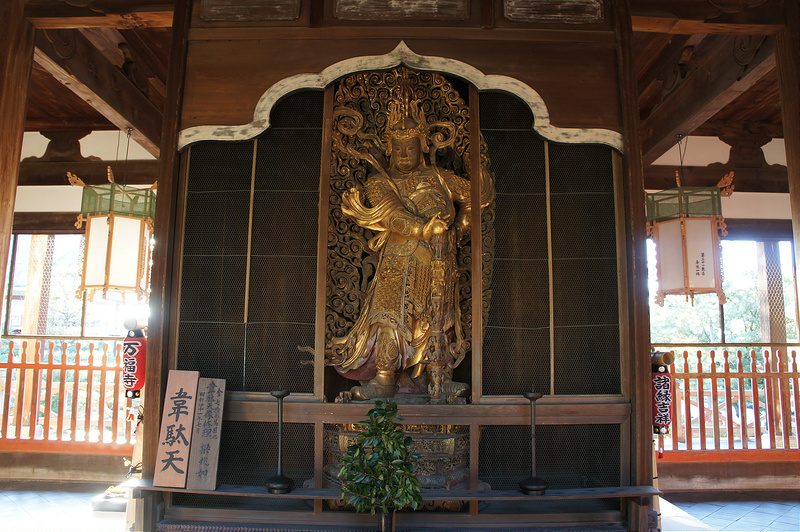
[378, 470]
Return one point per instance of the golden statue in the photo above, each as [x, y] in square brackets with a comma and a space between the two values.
[408, 333]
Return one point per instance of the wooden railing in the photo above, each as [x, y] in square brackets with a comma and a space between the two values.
[64, 396]
[741, 401]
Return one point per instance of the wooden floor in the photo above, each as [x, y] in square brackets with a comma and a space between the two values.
[30, 506]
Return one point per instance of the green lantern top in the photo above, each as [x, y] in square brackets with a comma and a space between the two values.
[684, 202]
[113, 198]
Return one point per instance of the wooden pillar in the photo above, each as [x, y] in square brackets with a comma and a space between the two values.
[787, 58]
[163, 280]
[770, 293]
[16, 60]
[634, 305]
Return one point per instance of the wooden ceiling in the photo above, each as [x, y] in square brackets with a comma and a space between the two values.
[704, 68]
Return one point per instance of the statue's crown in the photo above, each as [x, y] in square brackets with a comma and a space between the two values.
[406, 118]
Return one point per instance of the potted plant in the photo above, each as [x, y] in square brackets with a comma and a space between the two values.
[377, 471]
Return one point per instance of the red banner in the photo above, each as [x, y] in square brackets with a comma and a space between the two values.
[662, 399]
[134, 351]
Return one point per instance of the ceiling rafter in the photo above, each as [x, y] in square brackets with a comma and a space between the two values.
[123, 14]
[748, 17]
[76, 63]
[724, 74]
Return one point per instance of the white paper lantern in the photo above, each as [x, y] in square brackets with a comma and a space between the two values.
[119, 227]
[685, 224]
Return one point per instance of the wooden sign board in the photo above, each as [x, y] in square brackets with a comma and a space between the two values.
[204, 457]
[172, 457]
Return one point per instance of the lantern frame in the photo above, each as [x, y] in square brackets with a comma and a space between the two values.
[119, 223]
[694, 216]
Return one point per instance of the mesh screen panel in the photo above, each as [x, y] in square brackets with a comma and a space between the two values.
[517, 328]
[585, 284]
[580, 168]
[220, 166]
[248, 456]
[521, 227]
[567, 456]
[212, 288]
[288, 159]
[587, 360]
[256, 352]
[585, 292]
[517, 161]
[216, 223]
[282, 289]
[301, 109]
[285, 223]
[500, 110]
[216, 350]
[273, 361]
[583, 226]
[523, 364]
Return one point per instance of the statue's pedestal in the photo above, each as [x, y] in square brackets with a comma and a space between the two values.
[444, 462]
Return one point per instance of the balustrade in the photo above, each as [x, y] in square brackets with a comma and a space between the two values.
[64, 396]
[742, 400]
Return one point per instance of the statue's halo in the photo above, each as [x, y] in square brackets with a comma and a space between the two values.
[402, 54]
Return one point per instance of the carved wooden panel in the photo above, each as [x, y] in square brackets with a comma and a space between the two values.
[407, 10]
[564, 11]
[244, 10]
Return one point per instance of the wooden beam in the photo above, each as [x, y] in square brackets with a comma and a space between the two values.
[71, 59]
[715, 129]
[752, 229]
[16, 61]
[45, 223]
[709, 87]
[767, 179]
[690, 16]
[123, 14]
[80, 123]
[788, 65]
[91, 172]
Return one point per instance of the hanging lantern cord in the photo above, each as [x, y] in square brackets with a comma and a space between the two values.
[127, 150]
[682, 144]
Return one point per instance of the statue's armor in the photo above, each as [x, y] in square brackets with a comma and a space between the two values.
[399, 296]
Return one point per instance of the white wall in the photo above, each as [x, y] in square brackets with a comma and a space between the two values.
[108, 145]
[702, 151]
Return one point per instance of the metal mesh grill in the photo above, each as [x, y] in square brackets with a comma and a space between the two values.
[220, 166]
[214, 337]
[580, 168]
[521, 227]
[517, 161]
[517, 328]
[772, 301]
[523, 363]
[585, 285]
[301, 109]
[500, 110]
[248, 456]
[273, 361]
[212, 288]
[216, 350]
[285, 223]
[282, 289]
[583, 226]
[567, 456]
[585, 292]
[587, 360]
[216, 223]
